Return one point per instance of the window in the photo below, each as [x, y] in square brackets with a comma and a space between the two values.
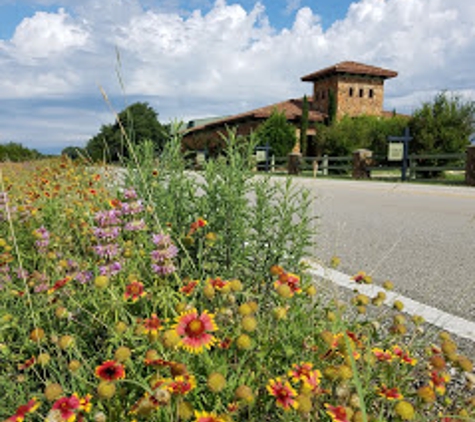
[323, 95]
[351, 92]
[371, 93]
[361, 92]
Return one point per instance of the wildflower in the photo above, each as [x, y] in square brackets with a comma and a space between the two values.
[398, 305]
[382, 355]
[291, 280]
[249, 323]
[283, 392]
[53, 391]
[311, 383]
[109, 251]
[110, 269]
[335, 261]
[108, 218]
[27, 364]
[188, 288]
[122, 354]
[65, 342]
[130, 193]
[362, 277]
[438, 381]
[110, 371]
[136, 225]
[207, 417]
[182, 384]
[66, 407]
[300, 372]
[304, 403]
[216, 382]
[219, 284]
[389, 393]
[106, 390]
[22, 410]
[244, 342]
[426, 393]
[59, 284]
[134, 291]
[107, 233]
[244, 393]
[199, 223]
[153, 325]
[405, 410]
[403, 355]
[194, 330]
[337, 413]
[37, 334]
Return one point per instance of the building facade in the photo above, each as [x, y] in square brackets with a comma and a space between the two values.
[348, 88]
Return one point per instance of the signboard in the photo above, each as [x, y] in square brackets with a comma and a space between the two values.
[261, 156]
[396, 151]
[200, 158]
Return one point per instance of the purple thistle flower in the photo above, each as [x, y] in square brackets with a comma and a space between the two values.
[107, 251]
[108, 218]
[107, 233]
[165, 268]
[136, 225]
[130, 193]
[110, 269]
[83, 277]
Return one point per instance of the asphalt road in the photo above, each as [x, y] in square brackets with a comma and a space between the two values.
[418, 236]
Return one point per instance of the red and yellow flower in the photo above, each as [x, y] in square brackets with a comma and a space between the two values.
[403, 355]
[22, 410]
[195, 330]
[382, 355]
[283, 392]
[66, 408]
[289, 279]
[110, 371]
[153, 325]
[389, 393]
[337, 413]
[300, 372]
[438, 380]
[182, 384]
[207, 417]
[134, 291]
[189, 288]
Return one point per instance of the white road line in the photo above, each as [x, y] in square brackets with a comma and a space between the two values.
[455, 325]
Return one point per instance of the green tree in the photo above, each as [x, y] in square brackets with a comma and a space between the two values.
[16, 152]
[278, 133]
[443, 125]
[136, 123]
[304, 126]
[74, 152]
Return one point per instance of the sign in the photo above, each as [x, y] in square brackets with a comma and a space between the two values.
[200, 158]
[261, 155]
[396, 151]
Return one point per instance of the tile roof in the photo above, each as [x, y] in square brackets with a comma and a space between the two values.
[292, 109]
[350, 67]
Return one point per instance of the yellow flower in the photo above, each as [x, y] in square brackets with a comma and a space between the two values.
[405, 410]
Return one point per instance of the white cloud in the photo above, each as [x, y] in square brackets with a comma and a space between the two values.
[45, 35]
[229, 58]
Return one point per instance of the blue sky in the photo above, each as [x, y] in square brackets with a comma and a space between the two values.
[197, 58]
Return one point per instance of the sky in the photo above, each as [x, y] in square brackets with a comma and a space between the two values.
[67, 65]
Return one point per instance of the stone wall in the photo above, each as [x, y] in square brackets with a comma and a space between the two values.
[354, 95]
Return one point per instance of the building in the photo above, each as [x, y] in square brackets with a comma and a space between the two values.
[350, 88]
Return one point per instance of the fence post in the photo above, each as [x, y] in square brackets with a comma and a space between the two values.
[470, 166]
[412, 168]
[325, 165]
[272, 163]
[361, 161]
[294, 163]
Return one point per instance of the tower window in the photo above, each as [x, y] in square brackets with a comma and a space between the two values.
[371, 93]
[361, 92]
[351, 92]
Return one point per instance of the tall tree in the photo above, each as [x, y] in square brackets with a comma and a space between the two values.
[136, 123]
[442, 125]
[304, 126]
[278, 133]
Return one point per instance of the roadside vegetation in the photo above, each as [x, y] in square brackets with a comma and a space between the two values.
[152, 295]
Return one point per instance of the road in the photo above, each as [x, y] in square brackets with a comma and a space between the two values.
[420, 237]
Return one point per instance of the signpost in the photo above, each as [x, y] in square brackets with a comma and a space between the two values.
[399, 150]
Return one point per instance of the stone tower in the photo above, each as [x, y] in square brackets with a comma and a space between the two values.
[357, 88]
